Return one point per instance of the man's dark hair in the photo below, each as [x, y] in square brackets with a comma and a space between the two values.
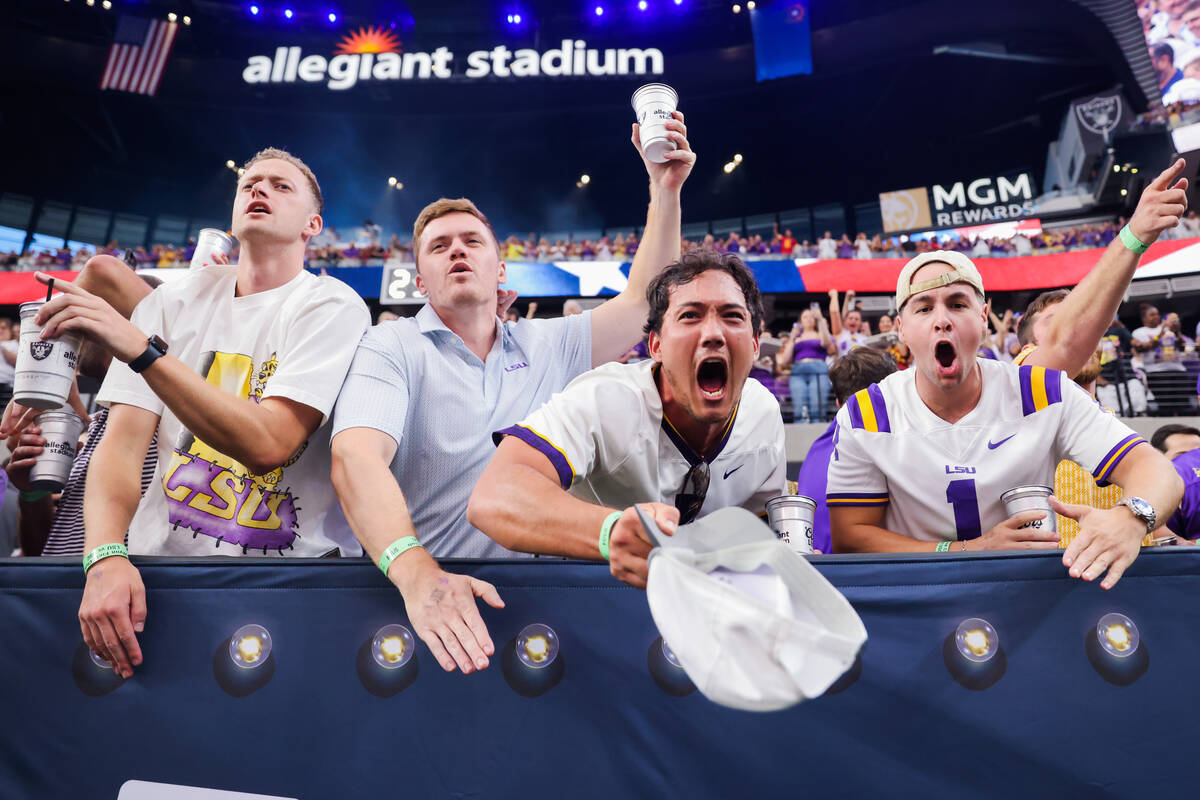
[1163, 49]
[1039, 304]
[858, 369]
[690, 266]
[1159, 439]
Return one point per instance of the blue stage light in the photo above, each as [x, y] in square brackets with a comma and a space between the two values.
[641, 5]
[254, 10]
[332, 17]
[516, 19]
[599, 11]
[287, 12]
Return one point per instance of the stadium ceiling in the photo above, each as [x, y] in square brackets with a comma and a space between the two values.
[883, 109]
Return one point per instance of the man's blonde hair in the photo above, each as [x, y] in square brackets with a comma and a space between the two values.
[443, 207]
[284, 155]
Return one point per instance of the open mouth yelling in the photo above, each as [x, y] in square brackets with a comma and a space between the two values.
[258, 207]
[460, 267]
[947, 358]
[712, 376]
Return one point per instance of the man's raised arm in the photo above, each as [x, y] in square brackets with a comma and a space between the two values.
[1086, 314]
[617, 323]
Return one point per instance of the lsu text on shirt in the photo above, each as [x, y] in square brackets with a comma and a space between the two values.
[942, 481]
[294, 341]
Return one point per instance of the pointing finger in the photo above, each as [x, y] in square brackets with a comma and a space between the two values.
[1168, 175]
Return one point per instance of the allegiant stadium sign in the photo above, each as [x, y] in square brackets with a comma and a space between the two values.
[374, 54]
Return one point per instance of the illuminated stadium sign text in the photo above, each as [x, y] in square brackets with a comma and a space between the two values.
[348, 67]
[982, 200]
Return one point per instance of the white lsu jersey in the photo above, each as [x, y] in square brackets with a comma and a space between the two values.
[942, 481]
[607, 438]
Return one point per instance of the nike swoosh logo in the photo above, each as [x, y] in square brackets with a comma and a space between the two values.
[739, 466]
[994, 445]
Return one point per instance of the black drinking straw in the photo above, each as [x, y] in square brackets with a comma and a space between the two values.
[49, 290]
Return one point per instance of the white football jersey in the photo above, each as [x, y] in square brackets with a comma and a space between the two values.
[607, 438]
[940, 481]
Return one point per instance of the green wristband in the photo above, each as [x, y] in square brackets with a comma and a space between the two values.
[1132, 242]
[395, 549]
[606, 531]
[942, 547]
[31, 497]
[104, 551]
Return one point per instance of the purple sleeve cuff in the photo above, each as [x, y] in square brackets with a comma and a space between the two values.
[566, 475]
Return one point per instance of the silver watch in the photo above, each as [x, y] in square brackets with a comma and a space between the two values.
[1142, 510]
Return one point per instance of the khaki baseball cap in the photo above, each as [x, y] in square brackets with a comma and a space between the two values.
[961, 271]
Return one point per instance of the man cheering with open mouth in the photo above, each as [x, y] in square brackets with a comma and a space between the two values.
[685, 433]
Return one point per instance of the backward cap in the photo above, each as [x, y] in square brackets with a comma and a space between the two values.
[963, 270]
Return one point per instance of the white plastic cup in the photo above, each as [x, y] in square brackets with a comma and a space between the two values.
[45, 368]
[61, 430]
[791, 517]
[1031, 498]
[653, 105]
[208, 242]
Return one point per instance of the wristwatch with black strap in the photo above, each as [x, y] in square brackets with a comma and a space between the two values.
[156, 348]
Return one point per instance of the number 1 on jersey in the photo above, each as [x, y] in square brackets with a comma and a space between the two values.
[961, 495]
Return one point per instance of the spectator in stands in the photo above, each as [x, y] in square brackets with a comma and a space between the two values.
[1160, 350]
[55, 527]
[827, 246]
[806, 349]
[243, 401]
[787, 244]
[850, 374]
[1185, 522]
[660, 433]
[412, 375]
[386, 316]
[571, 308]
[1162, 57]
[1173, 440]
[897, 443]
[846, 323]
[862, 246]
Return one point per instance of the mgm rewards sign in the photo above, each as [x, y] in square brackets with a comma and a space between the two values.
[376, 54]
[976, 202]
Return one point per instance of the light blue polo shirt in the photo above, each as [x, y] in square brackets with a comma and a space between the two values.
[415, 380]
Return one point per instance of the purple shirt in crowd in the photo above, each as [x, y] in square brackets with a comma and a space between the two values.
[814, 474]
[1186, 519]
[809, 348]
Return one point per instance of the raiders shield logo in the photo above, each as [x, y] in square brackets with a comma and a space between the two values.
[39, 350]
[1100, 115]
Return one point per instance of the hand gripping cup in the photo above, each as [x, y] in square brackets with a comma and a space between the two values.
[1031, 498]
[210, 241]
[61, 430]
[653, 105]
[791, 517]
[45, 367]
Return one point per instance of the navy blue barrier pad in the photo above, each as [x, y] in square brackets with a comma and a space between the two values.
[1050, 726]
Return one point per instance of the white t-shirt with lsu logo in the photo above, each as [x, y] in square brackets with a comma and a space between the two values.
[294, 341]
[942, 481]
[607, 438]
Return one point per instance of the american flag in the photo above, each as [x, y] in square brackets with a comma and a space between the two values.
[138, 55]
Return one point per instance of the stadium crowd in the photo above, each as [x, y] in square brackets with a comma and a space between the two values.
[455, 433]
[365, 247]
